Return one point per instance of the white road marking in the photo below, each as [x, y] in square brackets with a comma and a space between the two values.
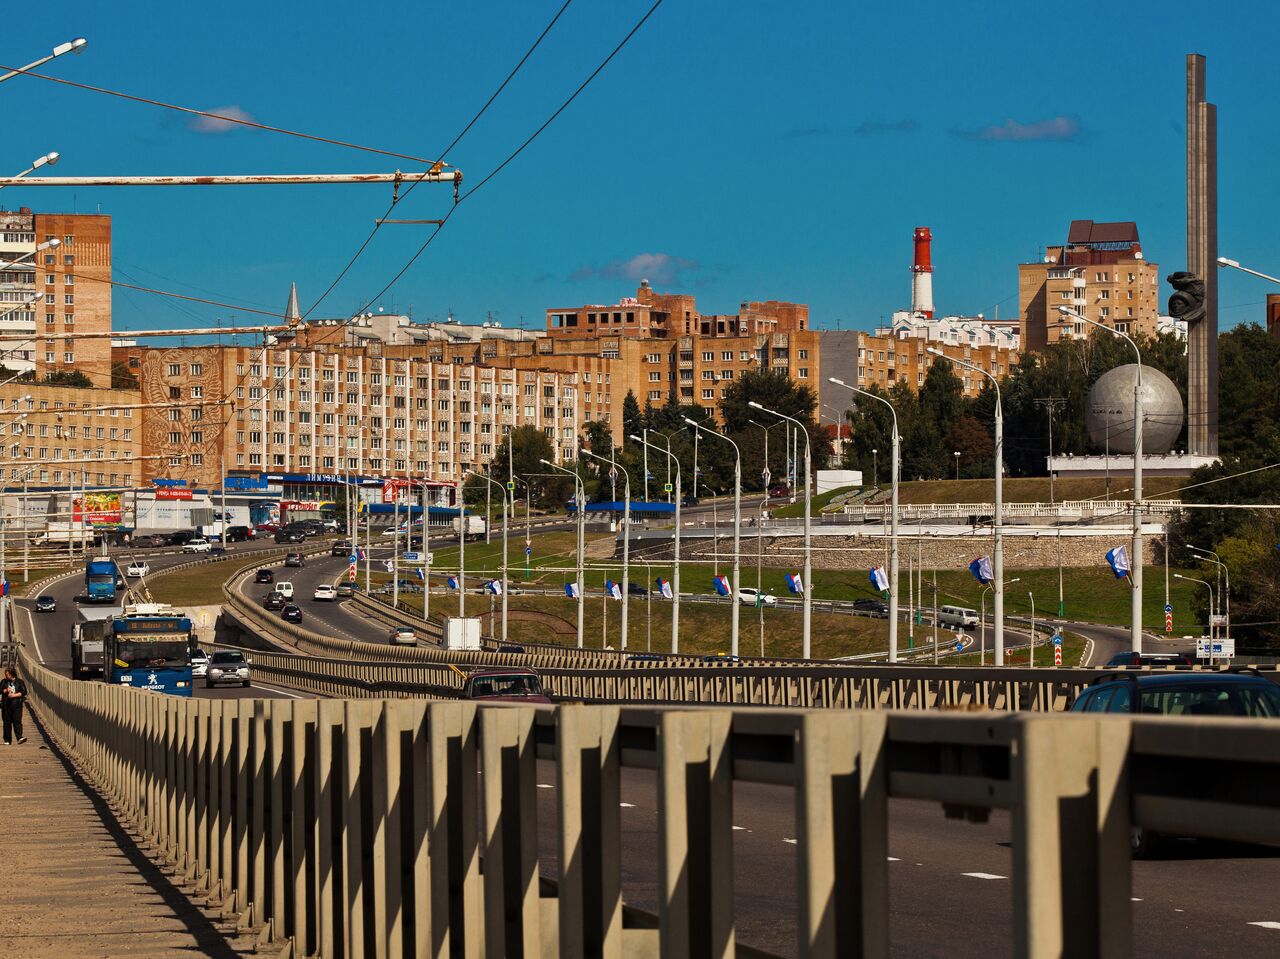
[280, 692]
[983, 875]
[1266, 925]
[627, 805]
[35, 633]
[792, 841]
[740, 828]
[894, 859]
[1177, 910]
[545, 786]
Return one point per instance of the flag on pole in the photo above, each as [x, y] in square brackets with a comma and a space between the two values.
[981, 569]
[422, 573]
[612, 589]
[451, 582]
[795, 583]
[664, 587]
[359, 554]
[571, 590]
[494, 587]
[878, 579]
[1119, 560]
[721, 584]
[391, 566]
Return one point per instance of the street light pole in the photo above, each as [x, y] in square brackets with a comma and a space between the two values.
[580, 494]
[505, 519]
[1136, 558]
[75, 46]
[737, 528]
[896, 442]
[1209, 586]
[808, 525]
[675, 568]
[997, 551]
[626, 538]
[1225, 598]
[36, 164]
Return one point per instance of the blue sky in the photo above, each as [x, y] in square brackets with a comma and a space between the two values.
[743, 150]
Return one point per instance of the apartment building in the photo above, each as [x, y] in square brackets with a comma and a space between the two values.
[330, 410]
[1100, 273]
[71, 436]
[64, 289]
[887, 361]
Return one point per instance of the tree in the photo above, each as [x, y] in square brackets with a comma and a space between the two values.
[121, 378]
[530, 446]
[976, 446]
[633, 421]
[775, 390]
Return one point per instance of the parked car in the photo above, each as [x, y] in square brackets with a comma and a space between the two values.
[264, 576]
[510, 685]
[394, 531]
[196, 546]
[285, 589]
[1130, 658]
[46, 604]
[403, 636]
[875, 607]
[273, 601]
[181, 537]
[137, 569]
[289, 536]
[747, 597]
[291, 613]
[1244, 693]
[294, 560]
[238, 534]
[227, 666]
[199, 663]
[341, 548]
[149, 541]
[325, 592]
[346, 590]
[266, 529]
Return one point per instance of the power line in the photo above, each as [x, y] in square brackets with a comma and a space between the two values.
[515, 153]
[378, 223]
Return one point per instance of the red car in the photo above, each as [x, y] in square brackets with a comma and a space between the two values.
[266, 528]
[505, 685]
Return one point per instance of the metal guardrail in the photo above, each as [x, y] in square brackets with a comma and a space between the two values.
[400, 828]
[1063, 509]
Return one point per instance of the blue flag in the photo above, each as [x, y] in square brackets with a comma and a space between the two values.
[795, 584]
[451, 582]
[571, 590]
[981, 569]
[721, 584]
[878, 579]
[1118, 558]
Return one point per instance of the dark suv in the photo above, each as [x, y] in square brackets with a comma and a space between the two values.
[1148, 659]
[874, 607]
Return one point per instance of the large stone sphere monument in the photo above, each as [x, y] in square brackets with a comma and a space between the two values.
[1109, 411]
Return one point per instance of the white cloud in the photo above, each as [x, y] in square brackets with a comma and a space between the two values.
[1053, 128]
[213, 125]
[661, 269]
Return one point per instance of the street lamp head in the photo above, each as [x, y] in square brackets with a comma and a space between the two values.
[49, 158]
[634, 438]
[935, 351]
[754, 405]
[1226, 261]
[1010, 582]
[837, 381]
[48, 244]
[71, 46]
[1178, 576]
[546, 462]
[692, 423]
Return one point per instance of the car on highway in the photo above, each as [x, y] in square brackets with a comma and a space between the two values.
[325, 592]
[290, 536]
[874, 607]
[136, 569]
[294, 560]
[198, 545]
[643, 658]
[394, 531]
[341, 548]
[960, 616]
[266, 529]
[728, 658]
[635, 589]
[46, 604]
[510, 648]
[291, 613]
[264, 576]
[227, 666]
[747, 597]
[779, 491]
[181, 537]
[239, 534]
[505, 685]
[1130, 658]
[199, 664]
[1245, 693]
[273, 601]
[285, 588]
[402, 636]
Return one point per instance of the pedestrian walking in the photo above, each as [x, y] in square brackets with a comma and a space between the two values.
[13, 696]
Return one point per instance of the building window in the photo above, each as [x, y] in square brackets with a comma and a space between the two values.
[197, 392]
[804, 354]
[69, 299]
[803, 373]
[708, 357]
[175, 369]
[69, 357]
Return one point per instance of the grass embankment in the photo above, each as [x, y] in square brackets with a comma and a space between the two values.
[1034, 489]
[198, 585]
[819, 502]
[22, 587]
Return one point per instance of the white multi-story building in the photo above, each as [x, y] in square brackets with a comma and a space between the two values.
[953, 330]
[18, 294]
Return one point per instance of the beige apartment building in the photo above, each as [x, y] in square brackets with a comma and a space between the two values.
[1100, 273]
[330, 410]
[886, 361]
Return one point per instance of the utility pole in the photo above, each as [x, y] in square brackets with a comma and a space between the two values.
[1051, 404]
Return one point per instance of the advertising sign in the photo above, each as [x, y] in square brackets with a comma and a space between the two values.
[395, 491]
[173, 493]
[100, 510]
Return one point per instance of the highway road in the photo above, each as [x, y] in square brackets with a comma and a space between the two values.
[52, 631]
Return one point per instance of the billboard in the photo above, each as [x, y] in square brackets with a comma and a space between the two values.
[396, 491]
[99, 510]
[173, 493]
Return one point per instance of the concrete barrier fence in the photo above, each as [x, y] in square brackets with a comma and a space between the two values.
[395, 828]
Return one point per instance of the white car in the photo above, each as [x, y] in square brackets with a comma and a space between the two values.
[393, 531]
[227, 666]
[135, 570]
[285, 589]
[403, 636]
[326, 592]
[747, 597]
[199, 663]
[196, 546]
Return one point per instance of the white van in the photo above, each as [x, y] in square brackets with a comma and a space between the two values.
[957, 616]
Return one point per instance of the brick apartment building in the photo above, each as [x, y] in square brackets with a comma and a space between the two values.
[1100, 273]
[70, 284]
[329, 410]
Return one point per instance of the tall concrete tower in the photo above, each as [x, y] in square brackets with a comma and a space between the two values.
[1202, 260]
[922, 274]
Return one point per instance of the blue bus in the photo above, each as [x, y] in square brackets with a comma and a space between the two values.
[149, 646]
[100, 580]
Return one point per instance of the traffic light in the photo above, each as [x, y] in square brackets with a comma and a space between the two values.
[1187, 301]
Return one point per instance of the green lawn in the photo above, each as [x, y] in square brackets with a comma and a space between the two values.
[1033, 489]
[820, 501]
[197, 586]
[20, 586]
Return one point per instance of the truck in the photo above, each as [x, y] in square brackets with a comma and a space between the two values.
[475, 524]
[100, 577]
[63, 533]
[88, 640]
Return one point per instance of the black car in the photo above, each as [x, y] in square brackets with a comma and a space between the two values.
[238, 534]
[46, 604]
[510, 648]
[274, 601]
[637, 589]
[181, 537]
[290, 536]
[264, 576]
[873, 606]
[1148, 659]
[294, 560]
[341, 548]
[291, 614]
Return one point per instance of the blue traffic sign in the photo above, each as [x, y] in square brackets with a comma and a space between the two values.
[528, 551]
[959, 645]
[1168, 608]
[1057, 639]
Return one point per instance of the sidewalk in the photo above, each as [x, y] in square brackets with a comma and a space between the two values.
[76, 884]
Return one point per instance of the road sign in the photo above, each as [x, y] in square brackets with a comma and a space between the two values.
[1057, 655]
[351, 573]
[959, 645]
[766, 476]
[1168, 608]
[1215, 649]
[528, 551]
[1057, 639]
[666, 487]
[511, 486]
[1168, 622]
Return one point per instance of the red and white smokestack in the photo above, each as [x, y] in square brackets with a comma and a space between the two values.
[922, 274]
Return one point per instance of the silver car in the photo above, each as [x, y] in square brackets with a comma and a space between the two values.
[227, 666]
[199, 664]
